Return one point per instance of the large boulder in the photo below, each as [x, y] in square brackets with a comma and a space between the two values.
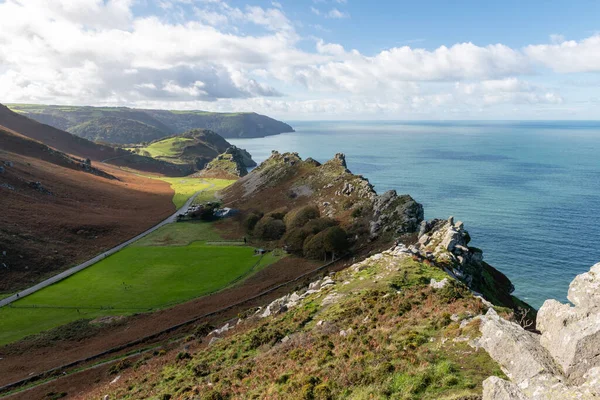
[584, 291]
[561, 363]
[518, 351]
[572, 334]
[499, 389]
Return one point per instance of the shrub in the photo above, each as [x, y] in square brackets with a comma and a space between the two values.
[269, 228]
[183, 355]
[294, 240]
[453, 291]
[330, 241]
[317, 225]
[357, 212]
[201, 369]
[213, 395]
[251, 220]
[118, 367]
[278, 214]
[203, 329]
[300, 217]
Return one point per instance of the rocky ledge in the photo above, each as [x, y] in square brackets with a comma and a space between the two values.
[229, 165]
[563, 362]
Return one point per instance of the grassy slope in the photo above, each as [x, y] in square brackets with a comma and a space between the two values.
[185, 187]
[403, 345]
[168, 149]
[136, 279]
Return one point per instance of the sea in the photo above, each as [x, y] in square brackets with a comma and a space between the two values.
[528, 192]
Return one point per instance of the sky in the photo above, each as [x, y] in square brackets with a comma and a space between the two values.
[308, 59]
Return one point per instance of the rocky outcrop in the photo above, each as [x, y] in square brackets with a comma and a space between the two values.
[397, 214]
[285, 180]
[446, 244]
[561, 363]
[229, 165]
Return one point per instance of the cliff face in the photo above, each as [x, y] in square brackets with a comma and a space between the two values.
[561, 363]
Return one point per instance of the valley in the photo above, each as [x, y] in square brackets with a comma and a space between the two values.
[298, 265]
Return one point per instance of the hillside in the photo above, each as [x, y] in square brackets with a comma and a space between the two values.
[121, 125]
[116, 130]
[80, 147]
[395, 325]
[58, 209]
[285, 185]
[229, 165]
[195, 148]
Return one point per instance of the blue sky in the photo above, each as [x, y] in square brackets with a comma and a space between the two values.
[308, 59]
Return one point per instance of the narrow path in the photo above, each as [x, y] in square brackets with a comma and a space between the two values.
[102, 256]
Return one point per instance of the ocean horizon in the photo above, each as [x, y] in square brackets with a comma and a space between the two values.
[527, 191]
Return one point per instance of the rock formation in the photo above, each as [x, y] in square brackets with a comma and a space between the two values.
[446, 244]
[229, 165]
[561, 363]
[285, 180]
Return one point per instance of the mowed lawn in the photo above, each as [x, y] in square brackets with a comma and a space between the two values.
[140, 278]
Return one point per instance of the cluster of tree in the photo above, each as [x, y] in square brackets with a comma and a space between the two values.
[303, 232]
[204, 212]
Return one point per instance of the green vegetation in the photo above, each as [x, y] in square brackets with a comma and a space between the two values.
[388, 335]
[168, 149]
[116, 130]
[180, 234]
[186, 187]
[124, 125]
[168, 267]
[210, 193]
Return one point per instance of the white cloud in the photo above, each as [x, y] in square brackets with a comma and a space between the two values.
[337, 14]
[568, 56]
[505, 91]
[96, 51]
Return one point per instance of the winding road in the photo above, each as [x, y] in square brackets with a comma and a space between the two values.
[88, 263]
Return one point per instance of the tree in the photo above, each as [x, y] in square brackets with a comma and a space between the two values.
[269, 228]
[251, 220]
[327, 243]
[299, 218]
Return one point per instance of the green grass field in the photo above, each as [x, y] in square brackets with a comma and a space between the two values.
[167, 149]
[185, 187]
[210, 194]
[139, 278]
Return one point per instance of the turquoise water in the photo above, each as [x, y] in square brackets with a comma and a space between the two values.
[528, 192]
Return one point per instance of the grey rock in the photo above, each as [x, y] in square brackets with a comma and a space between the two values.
[495, 388]
[571, 336]
[518, 351]
[584, 291]
[561, 363]
[451, 239]
[438, 285]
